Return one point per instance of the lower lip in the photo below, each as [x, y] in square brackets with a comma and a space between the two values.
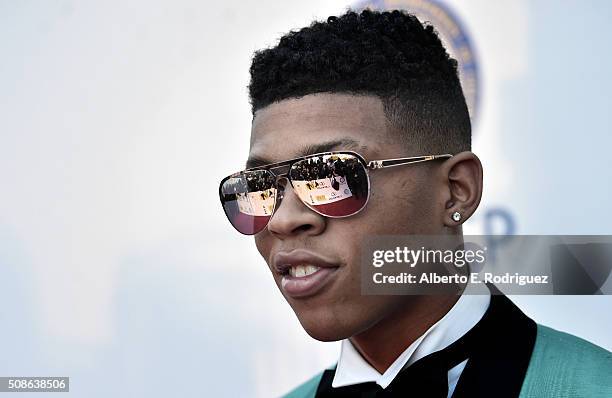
[305, 286]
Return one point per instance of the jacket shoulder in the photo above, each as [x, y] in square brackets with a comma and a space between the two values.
[563, 365]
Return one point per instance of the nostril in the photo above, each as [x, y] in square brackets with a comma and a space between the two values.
[303, 228]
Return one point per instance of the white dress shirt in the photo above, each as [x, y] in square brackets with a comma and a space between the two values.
[352, 368]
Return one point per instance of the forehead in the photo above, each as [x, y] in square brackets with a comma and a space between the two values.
[284, 129]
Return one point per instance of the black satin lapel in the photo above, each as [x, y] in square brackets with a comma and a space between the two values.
[325, 387]
[500, 357]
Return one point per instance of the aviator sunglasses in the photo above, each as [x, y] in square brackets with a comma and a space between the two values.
[332, 184]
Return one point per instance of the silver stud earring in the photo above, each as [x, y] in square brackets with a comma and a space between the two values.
[456, 216]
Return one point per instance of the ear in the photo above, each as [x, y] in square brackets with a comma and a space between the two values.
[463, 185]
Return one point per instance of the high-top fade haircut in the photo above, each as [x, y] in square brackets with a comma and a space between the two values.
[391, 55]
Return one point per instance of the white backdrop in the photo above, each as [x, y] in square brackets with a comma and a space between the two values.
[117, 119]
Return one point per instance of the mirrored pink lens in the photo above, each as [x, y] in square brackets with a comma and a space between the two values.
[248, 200]
[334, 185]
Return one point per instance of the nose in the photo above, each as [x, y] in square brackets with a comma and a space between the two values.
[291, 216]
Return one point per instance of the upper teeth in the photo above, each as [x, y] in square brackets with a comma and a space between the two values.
[302, 270]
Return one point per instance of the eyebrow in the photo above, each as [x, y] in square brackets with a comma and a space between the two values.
[327, 146]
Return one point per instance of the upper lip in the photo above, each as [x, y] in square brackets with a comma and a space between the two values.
[285, 260]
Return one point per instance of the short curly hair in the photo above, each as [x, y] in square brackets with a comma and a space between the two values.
[390, 54]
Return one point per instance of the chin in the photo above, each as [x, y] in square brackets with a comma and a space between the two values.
[325, 334]
[325, 328]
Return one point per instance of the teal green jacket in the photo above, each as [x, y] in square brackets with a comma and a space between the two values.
[561, 366]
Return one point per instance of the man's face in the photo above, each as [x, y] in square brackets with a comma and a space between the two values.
[404, 200]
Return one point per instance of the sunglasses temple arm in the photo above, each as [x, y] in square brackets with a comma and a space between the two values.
[380, 164]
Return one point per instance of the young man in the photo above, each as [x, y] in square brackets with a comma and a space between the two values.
[332, 103]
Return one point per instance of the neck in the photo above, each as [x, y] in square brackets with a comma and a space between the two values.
[381, 344]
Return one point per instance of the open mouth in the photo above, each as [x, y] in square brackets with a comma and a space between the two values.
[305, 280]
[303, 273]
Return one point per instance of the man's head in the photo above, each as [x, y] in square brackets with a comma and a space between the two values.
[380, 84]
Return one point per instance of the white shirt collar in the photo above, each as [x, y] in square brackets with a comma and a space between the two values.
[467, 311]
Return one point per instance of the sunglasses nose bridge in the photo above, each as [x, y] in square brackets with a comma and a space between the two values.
[279, 171]
[281, 182]
[281, 179]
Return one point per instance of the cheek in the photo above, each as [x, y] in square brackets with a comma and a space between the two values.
[401, 205]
